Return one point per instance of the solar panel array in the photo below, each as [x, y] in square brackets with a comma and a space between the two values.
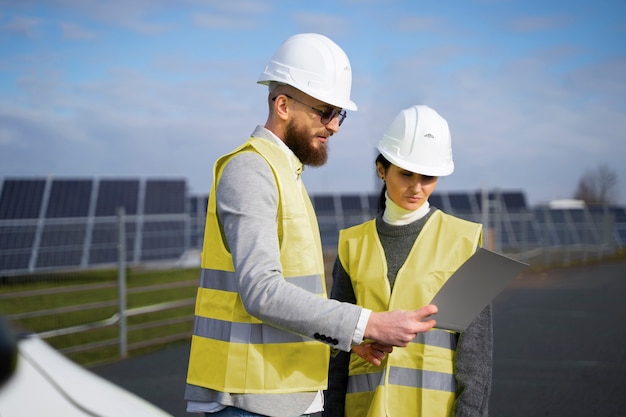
[52, 223]
[510, 225]
[340, 211]
[56, 223]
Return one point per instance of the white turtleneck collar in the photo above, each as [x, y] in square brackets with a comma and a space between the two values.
[398, 216]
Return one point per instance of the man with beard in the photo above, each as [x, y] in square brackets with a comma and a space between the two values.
[263, 324]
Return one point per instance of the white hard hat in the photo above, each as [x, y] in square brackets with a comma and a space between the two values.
[419, 141]
[315, 65]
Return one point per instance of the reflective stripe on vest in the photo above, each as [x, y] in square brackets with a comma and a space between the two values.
[402, 376]
[409, 377]
[439, 338]
[236, 332]
[253, 333]
[225, 281]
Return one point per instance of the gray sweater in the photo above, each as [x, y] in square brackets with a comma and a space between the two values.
[473, 362]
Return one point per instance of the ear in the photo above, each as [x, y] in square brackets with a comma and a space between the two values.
[380, 170]
[281, 110]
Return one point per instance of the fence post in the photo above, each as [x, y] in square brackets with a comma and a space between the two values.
[121, 279]
[487, 236]
[609, 227]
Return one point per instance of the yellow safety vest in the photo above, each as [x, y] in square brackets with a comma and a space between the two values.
[417, 380]
[232, 351]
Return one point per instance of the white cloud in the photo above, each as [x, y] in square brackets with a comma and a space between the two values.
[538, 23]
[214, 20]
[23, 26]
[76, 31]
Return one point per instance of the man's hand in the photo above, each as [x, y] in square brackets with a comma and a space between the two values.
[374, 352]
[399, 327]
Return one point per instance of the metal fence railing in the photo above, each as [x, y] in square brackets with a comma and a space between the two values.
[91, 331]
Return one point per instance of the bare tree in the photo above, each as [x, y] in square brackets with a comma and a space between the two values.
[598, 186]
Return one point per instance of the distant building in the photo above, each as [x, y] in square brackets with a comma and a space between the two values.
[567, 203]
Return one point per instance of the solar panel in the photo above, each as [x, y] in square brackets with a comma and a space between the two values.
[14, 261]
[198, 205]
[524, 233]
[21, 198]
[16, 244]
[329, 232]
[17, 237]
[351, 202]
[460, 202]
[577, 215]
[61, 244]
[436, 200]
[324, 203]
[104, 240]
[194, 205]
[69, 198]
[373, 202]
[63, 235]
[165, 197]
[558, 215]
[49, 258]
[115, 193]
[163, 240]
[491, 196]
[514, 201]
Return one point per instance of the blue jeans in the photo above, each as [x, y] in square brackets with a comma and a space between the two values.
[237, 412]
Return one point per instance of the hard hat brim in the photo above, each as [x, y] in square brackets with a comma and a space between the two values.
[347, 105]
[438, 171]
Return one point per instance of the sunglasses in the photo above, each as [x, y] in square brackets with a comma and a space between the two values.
[325, 115]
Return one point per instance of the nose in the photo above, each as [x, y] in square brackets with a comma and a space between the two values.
[333, 125]
[416, 185]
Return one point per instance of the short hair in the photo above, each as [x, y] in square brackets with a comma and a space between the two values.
[271, 86]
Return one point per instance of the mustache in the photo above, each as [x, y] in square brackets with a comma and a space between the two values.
[326, 134]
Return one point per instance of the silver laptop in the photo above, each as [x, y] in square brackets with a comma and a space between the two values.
[472, 287]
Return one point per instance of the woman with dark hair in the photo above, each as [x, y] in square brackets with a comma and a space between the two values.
[400, 259]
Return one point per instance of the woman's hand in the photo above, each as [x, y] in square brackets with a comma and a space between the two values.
[373, 352]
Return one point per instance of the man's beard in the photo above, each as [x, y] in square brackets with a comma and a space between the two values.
[301, 144]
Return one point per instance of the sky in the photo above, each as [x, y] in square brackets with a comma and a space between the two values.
[534, 91]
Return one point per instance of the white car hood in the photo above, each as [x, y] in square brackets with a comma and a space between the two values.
[46, 383]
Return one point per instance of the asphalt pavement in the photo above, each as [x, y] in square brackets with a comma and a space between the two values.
[559, 349]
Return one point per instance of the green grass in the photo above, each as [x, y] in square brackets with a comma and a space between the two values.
[72, 290]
